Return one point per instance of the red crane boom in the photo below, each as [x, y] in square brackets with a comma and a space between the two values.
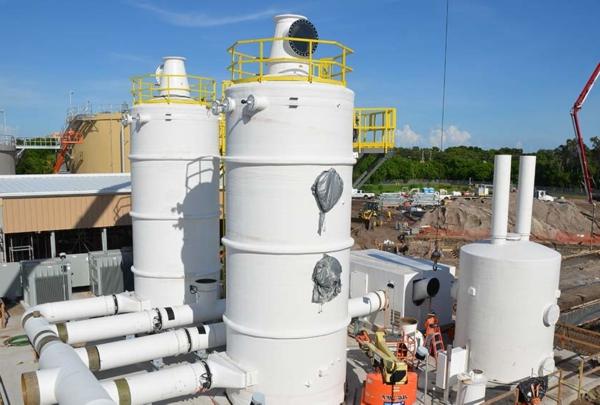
[587, 178]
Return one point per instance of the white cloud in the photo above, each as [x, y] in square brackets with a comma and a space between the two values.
[191, 19]
[453, 136]
[406, 137]
[519, 145]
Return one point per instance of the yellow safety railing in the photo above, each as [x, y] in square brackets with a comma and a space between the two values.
[223, 120]
[374, 129]
[250, 61]
[146, 89]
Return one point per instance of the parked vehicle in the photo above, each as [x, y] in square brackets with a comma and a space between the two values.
[543, 196]
[357, 193]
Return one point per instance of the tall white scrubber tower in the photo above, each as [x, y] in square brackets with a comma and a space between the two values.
[508, 288]
[288, 199]
[174, 179]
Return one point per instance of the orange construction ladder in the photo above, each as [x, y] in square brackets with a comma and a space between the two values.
[433, 335]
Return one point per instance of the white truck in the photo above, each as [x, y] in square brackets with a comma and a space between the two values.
[357, 193]
[542, 196]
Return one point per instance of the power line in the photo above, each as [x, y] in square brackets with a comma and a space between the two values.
[444, 80]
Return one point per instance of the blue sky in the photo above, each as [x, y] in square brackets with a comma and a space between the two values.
[514, 66]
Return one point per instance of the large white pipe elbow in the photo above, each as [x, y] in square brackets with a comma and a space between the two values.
[154, 320]
[63, 379]
[366, 305]
[525, 196]
[131, 351]
[501, 198]
[71, 382]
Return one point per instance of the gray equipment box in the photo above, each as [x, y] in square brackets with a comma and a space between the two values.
[110, 271]
[46, 280]
[80, 269]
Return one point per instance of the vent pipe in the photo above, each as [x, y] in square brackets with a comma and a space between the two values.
[525, 196]
[281, 50]
[501, 198]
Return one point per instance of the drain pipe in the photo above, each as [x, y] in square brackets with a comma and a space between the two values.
[131, 351]
[150, 321]
[501, 198]
[366, 305]
[525, 196]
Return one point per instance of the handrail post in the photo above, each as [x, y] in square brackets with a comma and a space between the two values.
[310, 63]
[580, 383]
[260, 62]
[559, 393]
[344, 66]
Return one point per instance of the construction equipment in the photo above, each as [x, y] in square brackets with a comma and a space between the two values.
[370, 214]
[391, 382]
[433, 335]
[587, 178]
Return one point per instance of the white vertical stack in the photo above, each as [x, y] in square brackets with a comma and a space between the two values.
[507, 293]
[174, 179]
[281, 136]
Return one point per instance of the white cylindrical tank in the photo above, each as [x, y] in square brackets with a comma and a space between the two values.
[175, 204]
[283, 318]
[506, 308]
[8, 153]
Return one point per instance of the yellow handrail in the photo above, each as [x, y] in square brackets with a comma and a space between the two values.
[374, 128]
[147, 90]
[248, 66]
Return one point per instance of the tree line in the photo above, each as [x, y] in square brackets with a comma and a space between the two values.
[557, 167]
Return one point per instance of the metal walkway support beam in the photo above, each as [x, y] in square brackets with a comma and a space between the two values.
[366, 175]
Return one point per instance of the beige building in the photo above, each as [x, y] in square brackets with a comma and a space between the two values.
[40, 206]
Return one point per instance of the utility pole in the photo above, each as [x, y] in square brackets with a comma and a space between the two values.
[4, 121]
[71, 92]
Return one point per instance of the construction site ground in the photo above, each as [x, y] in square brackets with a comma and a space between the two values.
[563, 225]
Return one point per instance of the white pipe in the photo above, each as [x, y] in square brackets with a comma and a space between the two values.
[500, 199]
[161, 385]
[149, 321]
[131, 351]
[165, 384]
[525, 196]
[88, 307]
[366, 305]
[172, 382]
[73, 383]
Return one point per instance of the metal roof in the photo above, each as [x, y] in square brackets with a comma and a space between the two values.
[32, 185]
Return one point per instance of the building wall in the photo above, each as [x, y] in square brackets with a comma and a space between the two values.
[101, 150]
[34, 214]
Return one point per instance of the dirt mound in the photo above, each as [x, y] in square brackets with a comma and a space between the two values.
[552, 221]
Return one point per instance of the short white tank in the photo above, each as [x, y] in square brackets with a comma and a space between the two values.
[175, 206]
[281, 137]
[507, 295]
[507, 308]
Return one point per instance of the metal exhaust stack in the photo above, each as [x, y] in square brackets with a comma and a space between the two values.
[501, 197]
[525, 196]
